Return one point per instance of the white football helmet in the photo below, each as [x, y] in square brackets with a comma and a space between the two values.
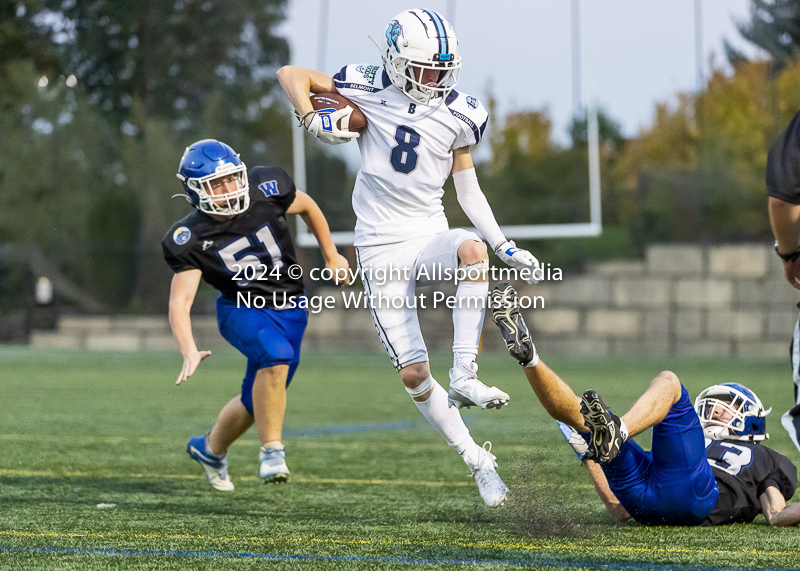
[731, 411]
[416, 40]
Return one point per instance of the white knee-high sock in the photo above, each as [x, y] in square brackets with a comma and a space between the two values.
[468, 317]
[446, 420]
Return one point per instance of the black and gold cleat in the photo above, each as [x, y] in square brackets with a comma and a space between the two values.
[505, 314]
[605, 428]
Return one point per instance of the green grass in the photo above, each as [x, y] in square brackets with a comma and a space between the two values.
[78, 429]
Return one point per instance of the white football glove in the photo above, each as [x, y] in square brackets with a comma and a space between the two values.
[518, 259]
[323, 126]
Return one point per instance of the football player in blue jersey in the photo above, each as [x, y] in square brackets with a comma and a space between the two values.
[706, 466]
[238, 241]
[419, 131]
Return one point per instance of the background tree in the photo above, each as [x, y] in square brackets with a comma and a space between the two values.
[774, 26]
[171, 57]
[166, 73]
[22, 43]
[532, 180]
[99, 99]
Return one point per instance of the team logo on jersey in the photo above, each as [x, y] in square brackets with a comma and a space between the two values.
[472, 102]
[369, 72]
[393, 33]
[269, 188]
[181, 235]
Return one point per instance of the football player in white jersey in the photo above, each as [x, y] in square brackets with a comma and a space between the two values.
[419, 130]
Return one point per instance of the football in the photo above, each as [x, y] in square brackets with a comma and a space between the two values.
[354, 124]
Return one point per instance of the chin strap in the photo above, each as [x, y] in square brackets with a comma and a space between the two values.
[376, 44]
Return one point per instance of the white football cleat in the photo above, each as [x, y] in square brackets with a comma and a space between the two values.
[493, 490]
[216, 467]
[272, 465]
[466, 390]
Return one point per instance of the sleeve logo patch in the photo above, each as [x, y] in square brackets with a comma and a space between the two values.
[269, 188]
[472, 102]
[370, 72]
[181, 235]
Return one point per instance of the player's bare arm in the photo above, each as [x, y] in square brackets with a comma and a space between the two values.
[462, 160]
[181, 297]
[311, 214]
[614, 508]
[776, 511]
[784, 218]
[298, 82]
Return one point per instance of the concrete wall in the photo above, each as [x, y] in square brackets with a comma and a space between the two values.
[682, 299]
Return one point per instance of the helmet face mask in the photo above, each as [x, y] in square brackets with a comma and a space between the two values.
[203, 168]
[415, 41]
[731, 411]
[431, 92]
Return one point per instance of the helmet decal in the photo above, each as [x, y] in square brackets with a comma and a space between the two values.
[393, 32]
[441, 34]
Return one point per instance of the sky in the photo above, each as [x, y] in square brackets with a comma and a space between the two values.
[633, 53]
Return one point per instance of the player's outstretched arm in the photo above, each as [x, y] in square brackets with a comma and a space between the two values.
[785, 221]
[476, 207]
[614, 508]
[181, 296]
[311, 214]
[776, 510]
[297, 83]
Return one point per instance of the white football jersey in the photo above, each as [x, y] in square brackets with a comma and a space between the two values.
[406, 155]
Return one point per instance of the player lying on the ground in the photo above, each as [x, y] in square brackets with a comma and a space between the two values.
[706, 466]
[238, 241]
[419, 130]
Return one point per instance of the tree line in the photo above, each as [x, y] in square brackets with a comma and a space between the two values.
[99, 98]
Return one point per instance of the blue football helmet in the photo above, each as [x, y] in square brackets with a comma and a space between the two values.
[204, 162]
[731, 411]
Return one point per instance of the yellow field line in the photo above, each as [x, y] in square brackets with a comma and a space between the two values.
[480, 544]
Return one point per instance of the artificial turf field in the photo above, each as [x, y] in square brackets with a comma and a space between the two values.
[372, 485]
